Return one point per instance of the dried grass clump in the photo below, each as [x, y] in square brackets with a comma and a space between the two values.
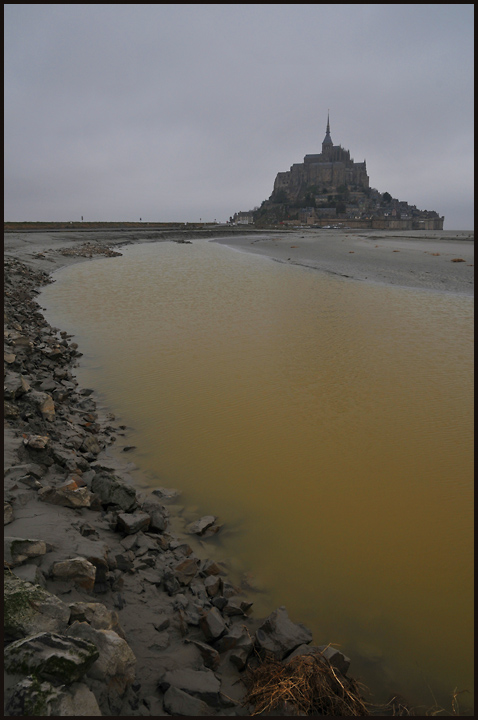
[306, 684]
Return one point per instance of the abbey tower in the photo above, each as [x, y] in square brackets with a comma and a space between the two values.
[323, 173]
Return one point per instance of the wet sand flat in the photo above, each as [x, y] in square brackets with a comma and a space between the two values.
[406, 259]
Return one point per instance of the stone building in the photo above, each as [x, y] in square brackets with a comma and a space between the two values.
[326, 172]
[331, 186]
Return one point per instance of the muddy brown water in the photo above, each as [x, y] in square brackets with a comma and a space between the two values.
[328, 423]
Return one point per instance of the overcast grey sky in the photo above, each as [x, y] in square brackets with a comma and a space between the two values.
[182, 112]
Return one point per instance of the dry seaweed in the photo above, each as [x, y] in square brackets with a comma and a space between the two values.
[306, 684]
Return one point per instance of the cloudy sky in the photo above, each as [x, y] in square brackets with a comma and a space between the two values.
[182, 112]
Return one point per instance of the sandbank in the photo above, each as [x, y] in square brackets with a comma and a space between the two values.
[418, 259]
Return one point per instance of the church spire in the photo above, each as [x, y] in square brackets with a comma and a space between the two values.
[327, 144]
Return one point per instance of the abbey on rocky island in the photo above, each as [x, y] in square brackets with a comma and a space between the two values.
[326, 173]
[331, 187]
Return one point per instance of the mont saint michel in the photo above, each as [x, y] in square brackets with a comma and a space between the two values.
[330, 187]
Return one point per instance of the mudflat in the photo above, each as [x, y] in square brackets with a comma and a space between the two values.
[438, 260]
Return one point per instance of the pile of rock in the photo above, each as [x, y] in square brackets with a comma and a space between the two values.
[89, 249]
[171, 634]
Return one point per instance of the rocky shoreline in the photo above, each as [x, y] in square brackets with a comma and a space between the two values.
[107, 611]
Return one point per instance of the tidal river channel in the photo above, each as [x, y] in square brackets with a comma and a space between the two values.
[327, 423]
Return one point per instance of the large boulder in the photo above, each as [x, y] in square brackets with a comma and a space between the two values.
[131, 523]
[116, 663]
[30, 697]
[29, 609]
[67, 495]
[96, 615]
[79, 570]
[17, 550]
[203, 684]
[279, 636]
[51, 657]
[112, 491]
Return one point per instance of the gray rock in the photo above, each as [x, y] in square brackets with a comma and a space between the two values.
[146, 543]
[186, 570]
[36, 442]
[199, 527]
[171, 583]
[92, 550]
[29, 609]
[112, 491]
[67, 495]
[16, 472]
[31, 482]
[202, 684]
[116, 662]
[31, 697]
[167, 494]
[220, 602]
[18, 550]
[12, 386]
[212, 624]
[79, 570]
[131, 523]
[51, 657]
[211, 531]
[240, 655]
[130, 542]
[236, 636]
[279, 635]
[124, 561]
[177, 703]
[90, 445]
[10, 410]
[162, 623]
[43, 402]
[209, 567]
[96, 615]
[154, 577]
[48, 385]
[8, 515]
[64, 457]
[233, 608]
[335, 658]
[210, 656]
[213, 585]
[156, 512]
